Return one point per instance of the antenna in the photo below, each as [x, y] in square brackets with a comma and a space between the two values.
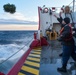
[43, 5]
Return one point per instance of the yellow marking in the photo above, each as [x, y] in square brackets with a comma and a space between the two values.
[37, 52]
[35, 59]
[21, 73]
[34, 55]
[32, 63]
[37, 48]
[30, 70]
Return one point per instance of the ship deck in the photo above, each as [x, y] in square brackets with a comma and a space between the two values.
[50, 60]
[45, 61]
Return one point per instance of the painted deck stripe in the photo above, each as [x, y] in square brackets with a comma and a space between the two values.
[20, 73]
[35, 67]
[37, 49]
[25, 72]
[30, 70]
[36, 52]
[35, 59]
[34, 55]
[32, 63]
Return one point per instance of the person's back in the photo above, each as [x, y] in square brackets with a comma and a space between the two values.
[67, 38]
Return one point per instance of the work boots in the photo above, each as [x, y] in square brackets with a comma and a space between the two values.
[62, 69]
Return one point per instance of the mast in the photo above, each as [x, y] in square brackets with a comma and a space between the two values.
[73, 4]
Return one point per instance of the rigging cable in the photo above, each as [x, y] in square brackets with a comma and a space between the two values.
[12, 55]
[70, 3]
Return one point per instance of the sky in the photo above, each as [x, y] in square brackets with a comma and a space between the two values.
[27, 10]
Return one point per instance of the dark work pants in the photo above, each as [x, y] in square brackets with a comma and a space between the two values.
[67, 52]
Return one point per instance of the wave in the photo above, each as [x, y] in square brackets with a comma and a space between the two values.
[10, 43]
[5, 67]
[8, 51]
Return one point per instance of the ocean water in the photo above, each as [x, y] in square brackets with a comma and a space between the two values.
[13, 44]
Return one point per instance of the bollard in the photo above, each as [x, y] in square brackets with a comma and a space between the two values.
[35, 35]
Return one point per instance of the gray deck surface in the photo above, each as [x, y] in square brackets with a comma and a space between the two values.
[50, 60]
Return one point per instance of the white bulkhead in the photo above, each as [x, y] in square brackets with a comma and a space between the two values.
[49, 21]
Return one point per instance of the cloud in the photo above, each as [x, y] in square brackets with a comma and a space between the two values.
[34, 18]
[18, 16]
[14, 21]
